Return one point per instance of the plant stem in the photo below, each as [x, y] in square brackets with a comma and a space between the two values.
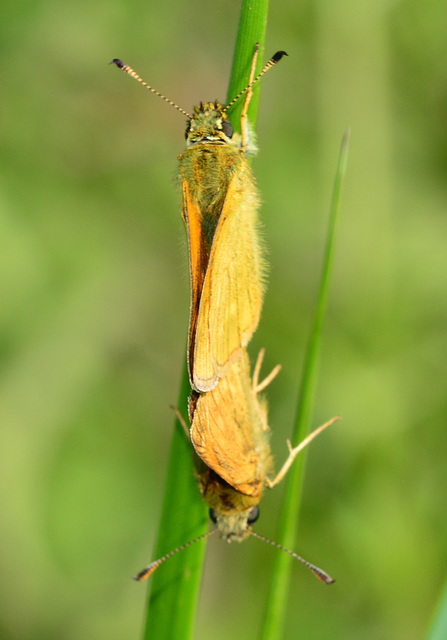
[175, 586]
[277, 602]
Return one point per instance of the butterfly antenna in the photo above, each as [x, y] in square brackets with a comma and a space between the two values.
[121, 65]
[271, 63]
[319, 573]
[149, 570]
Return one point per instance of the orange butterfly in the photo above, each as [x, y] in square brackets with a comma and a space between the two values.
[230, 434]
[219, 207]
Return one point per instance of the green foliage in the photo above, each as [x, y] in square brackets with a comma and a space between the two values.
[275, 614]
[95, 308]
[174, 587]
[438, 629]
[252, 31]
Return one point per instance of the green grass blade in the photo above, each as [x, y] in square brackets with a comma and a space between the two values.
[252, 28]
[174, 587]
[438, 628]
[277, 602]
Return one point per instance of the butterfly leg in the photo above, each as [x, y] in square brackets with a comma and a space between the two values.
[260, 386]
[293, 452]
[248, 95]
[182, 421]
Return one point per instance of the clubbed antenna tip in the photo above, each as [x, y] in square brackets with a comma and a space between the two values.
[149, 570]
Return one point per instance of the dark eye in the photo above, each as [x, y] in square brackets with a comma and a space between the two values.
[227, 129]
[253, 515]
[213, 516]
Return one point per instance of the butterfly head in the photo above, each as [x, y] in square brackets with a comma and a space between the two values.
[209, 124]
[236, 525]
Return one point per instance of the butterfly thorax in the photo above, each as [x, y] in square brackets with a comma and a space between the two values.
[209, 125]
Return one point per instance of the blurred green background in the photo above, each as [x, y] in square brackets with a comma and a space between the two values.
[95, 297]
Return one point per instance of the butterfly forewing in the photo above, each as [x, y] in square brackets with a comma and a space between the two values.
[229, 433]
[226, 265]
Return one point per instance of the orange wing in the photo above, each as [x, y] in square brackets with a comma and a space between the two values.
[198, 262]
[226, 312]
[228, 431]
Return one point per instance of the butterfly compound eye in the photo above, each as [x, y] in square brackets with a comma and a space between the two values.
[213, 516]
[227, 128]
[253, 515]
